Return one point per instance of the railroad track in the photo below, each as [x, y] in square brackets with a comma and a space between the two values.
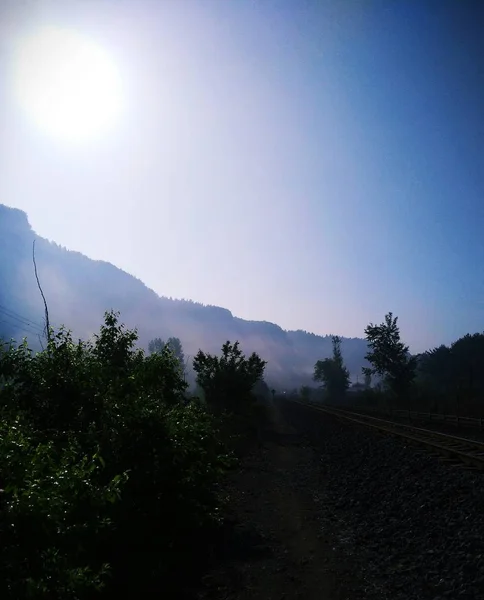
[462, 450]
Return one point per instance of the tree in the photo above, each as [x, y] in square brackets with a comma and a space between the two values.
[261, 390]
[175, 345]
[367, 380]
[156, 345]
[305, 393]
[389, 356]
[332, 373]
[228, 380]
[450, 377]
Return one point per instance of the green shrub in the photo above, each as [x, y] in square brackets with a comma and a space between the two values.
[110, 478]
[53, 508]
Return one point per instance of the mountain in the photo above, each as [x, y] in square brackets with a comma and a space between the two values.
[79, 290]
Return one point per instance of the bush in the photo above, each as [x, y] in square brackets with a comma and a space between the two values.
[108, 476]
[53, 509]
[228, 380]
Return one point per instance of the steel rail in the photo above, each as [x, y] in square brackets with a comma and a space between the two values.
[430, 417]
[470, 452]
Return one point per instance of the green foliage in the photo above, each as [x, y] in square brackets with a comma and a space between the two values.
[389, 357]
[109, 479]
[332, 373]
[228, 380]
[54, 506]
[156, 345]
[451, 377]
[175, 345]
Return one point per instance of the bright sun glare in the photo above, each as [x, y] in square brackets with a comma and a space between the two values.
[66, 83]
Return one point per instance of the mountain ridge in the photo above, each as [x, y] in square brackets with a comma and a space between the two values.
[79, 290]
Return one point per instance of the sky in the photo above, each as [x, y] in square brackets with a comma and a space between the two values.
[315, 164]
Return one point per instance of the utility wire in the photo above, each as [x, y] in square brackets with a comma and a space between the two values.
[14, 315]
[19, 327]
[17, 315]
[13, 312]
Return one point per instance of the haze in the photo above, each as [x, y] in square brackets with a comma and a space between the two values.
[313, 164]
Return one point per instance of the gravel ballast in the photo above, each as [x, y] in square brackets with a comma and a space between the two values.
[411, 525]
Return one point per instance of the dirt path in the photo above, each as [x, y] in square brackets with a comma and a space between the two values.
[278, 549]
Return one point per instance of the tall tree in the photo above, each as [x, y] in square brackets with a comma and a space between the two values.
[156, 345]
[389, 356]
[332, 372]
[175, 345]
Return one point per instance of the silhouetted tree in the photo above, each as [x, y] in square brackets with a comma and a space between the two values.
[451, 377]
[261, 390]
[228, 380]
[389, 357]
[332, 373]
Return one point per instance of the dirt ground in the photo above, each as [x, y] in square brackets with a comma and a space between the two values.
[276, 548]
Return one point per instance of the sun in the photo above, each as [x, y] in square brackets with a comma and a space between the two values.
[66, 83]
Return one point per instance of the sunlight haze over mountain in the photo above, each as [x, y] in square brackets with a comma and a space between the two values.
[314, 164]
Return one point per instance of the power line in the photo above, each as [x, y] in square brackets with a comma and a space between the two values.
[23, 320]
[12, 312]
[18, 327]
[21, 324]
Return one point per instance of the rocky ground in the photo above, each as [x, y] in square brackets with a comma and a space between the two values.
[329, 510]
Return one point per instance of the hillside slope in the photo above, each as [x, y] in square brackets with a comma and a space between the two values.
[79, 290]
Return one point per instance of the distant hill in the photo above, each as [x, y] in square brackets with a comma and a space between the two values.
[79, 290]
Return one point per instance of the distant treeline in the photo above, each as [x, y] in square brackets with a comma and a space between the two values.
[447, 379]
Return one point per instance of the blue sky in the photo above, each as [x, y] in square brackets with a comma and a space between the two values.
[314, 164]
